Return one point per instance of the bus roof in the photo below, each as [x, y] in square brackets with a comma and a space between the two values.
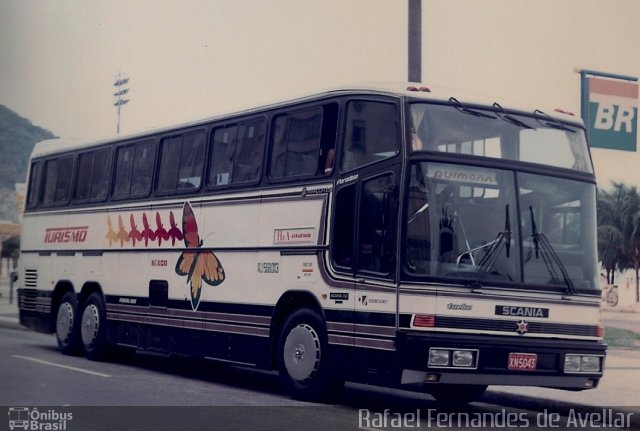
[398, 89]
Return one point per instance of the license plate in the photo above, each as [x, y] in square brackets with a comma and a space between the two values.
[523, 361]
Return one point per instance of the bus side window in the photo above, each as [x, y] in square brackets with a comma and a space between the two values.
[191, 161]
[83, 183]
[169, 164]
[94, 168]
[142, 169]
[101, 175]
[35, 183]
[237, 153]
[376, 239]
[222, 153]
[344, 228]
[124, 167]
[372, 133]
[58, 174]
[296, 143]
[181, 163]
[134, 169]
[247, 165]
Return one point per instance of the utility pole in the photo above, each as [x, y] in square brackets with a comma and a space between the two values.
[121, 91]
[415, 40]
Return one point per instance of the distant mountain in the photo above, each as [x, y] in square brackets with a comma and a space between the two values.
[17, 138]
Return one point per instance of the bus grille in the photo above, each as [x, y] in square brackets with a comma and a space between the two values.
[31, 278]
[510, 326]
[30, 300]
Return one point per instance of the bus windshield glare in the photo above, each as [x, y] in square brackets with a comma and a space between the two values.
[498, 134]
[493, 226]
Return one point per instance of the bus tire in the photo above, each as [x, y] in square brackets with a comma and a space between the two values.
[303, 360]
[457, 394]
[93, 327]
[68, 324]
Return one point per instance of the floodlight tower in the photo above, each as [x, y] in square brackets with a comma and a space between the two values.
[121, 91]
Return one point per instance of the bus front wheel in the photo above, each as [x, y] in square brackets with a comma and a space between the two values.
[93, 327]
[67, 324]
[303, 358]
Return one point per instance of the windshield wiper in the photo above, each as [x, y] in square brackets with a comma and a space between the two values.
[549, 255]
[504, 115]
[552, 122]
[463, 108]
[503, 240]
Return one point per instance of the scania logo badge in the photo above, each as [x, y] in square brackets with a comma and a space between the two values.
[522, 327]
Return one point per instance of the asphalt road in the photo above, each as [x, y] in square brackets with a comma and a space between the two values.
[150, 392]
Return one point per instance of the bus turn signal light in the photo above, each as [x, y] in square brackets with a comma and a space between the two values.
[424, 320]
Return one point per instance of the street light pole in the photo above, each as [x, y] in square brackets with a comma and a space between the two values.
[415, 40]
[121, 91]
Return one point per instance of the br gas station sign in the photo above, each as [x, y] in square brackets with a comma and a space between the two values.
[610, 110]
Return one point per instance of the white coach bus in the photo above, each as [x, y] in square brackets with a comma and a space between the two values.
[392, 236]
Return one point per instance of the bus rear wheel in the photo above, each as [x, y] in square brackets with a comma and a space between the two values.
[303, 358]
[67, 324]
[93, 327]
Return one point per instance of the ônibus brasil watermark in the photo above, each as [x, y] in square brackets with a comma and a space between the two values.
[503, 419]
[33, 419]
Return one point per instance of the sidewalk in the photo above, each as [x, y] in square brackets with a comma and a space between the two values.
[9, 317]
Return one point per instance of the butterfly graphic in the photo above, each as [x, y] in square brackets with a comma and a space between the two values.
[111, 235]
[197, 264]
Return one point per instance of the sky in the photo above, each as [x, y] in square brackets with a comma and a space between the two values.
[191, 59]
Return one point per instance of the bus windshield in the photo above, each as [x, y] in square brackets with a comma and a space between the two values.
[493, 226]
[495, 133]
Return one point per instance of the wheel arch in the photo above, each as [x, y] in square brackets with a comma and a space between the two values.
[88, 288]
[288, 303]
[62, 287]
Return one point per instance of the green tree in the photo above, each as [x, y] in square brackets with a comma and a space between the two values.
[619, 231]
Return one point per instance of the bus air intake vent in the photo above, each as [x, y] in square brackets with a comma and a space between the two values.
[31, 278]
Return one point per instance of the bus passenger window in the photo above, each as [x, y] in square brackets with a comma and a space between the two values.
[58, 174]
[93, 175]
[191, 161]
[372, 133]
[35, 180]
[124, 165]
[134, 170]
[142, 169]
[236, 156]
[224, 145]
[85, 166]
[101, 175]
[296, 143]
[181, 163]
[247, 165]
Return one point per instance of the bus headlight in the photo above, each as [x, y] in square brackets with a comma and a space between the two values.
[439, 357]
[463, 358]
[582, 364]
[453, 358]
[572, 364]
[590, 364]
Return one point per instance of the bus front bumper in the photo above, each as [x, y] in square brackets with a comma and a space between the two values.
[498, 360]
